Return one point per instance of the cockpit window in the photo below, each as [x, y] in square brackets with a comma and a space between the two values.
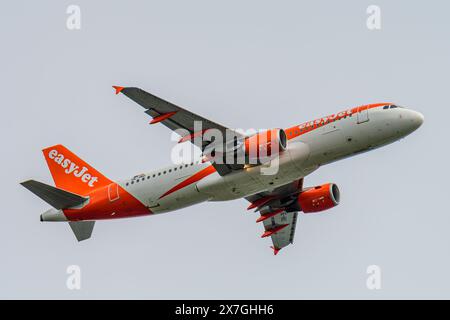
[391, 106]
[394, 106]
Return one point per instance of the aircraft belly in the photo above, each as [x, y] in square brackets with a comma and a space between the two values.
[184, 197]
[256, 179]
[215, 188]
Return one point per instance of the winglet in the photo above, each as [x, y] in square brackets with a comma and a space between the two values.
[118, 89]
[275, 250]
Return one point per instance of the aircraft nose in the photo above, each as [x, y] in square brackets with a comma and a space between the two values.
[412, 120]
[417, 119]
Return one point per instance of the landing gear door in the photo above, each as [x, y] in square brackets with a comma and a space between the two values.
[363, 114]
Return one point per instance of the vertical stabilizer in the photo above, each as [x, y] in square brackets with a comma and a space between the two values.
[71, 173]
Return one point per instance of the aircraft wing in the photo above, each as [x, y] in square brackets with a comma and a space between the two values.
[276, 213]
[285, 236]
[177, 118]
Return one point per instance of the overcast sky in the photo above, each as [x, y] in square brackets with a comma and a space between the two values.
[252, 64]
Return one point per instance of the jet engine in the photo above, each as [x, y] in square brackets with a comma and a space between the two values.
[264, 146]
[319, 198]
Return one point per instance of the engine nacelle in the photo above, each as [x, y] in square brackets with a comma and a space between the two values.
[264, 146]
[319, 198]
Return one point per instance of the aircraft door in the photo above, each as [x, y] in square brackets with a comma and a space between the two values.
[113, 192]
[363, 114]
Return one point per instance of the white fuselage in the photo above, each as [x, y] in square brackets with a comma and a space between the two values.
[322, 142]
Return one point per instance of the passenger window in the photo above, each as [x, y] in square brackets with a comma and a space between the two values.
[154, 175]
[159, 173]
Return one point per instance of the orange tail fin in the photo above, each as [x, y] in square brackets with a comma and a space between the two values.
[71, 173]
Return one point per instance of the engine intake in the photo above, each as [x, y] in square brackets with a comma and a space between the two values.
[319, 198]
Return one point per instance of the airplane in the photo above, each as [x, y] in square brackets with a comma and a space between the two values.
[82, 195]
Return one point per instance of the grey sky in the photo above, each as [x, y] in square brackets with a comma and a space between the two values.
[245, 64]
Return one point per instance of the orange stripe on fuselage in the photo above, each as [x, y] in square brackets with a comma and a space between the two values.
[192, 179]
[309, 126]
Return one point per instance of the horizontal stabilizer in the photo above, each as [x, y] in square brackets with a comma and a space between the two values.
[57, 198]
[82, 229]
